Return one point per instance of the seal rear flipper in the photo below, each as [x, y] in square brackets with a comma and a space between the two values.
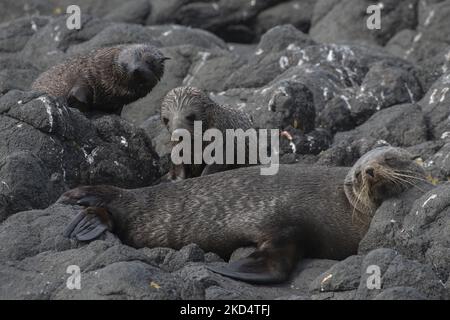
[89, 224]
[259, 268]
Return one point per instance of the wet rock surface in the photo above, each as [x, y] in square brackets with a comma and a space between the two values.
[308, 68]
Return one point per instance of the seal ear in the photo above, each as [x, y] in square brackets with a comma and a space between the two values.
[80, 97]
[260, 267]
[89, 224]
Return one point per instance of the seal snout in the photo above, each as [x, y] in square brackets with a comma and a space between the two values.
[372, 173]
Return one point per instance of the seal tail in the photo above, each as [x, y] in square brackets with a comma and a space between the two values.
[89, 224]
[262, 266]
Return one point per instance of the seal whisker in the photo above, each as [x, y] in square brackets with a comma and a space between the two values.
[411, 183]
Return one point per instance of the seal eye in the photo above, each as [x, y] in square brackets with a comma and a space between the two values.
[191, 117]
[389, 160]
[166, 121]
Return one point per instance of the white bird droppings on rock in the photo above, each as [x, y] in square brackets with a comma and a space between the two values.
[433, 196]
[259, 52]
[123, 141]
[322, 283]
[445, 135]
[346, 100]
[429, 17]
[284, 62]
[33, 26]
[48, 109]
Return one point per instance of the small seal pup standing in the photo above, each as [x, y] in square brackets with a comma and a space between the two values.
[105, 79]
[303, 211]
[184, 105]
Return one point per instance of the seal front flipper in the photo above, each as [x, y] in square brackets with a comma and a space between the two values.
[80, 97]
[89, 224]
[260, 267]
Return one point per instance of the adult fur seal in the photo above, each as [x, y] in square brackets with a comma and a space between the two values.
[105, 79]
[303, 211]
[184, 105]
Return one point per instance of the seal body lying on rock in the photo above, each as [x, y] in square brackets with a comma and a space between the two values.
[181, 107]
[105, 79]
[302, 211]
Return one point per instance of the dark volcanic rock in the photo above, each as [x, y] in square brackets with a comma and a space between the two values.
[48, 46]
[349, 279]
[296, 141]
[437, 165]
[135, 11]
[428, 46]
[346, 154]
[333, 100]
[417, 229]
[50, 148]
[336, 116]
[384, 85]
[401, 125]
[271, 57]
[176, 35]
[16, 74]
[346, 21]
[229, 19]
[296, 12]
[435, 107]
[276, 106]
[15, 34]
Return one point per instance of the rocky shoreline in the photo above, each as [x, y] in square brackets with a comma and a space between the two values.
[347, 88]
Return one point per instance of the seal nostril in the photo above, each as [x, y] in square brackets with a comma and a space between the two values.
[370, 172]
[136, 72]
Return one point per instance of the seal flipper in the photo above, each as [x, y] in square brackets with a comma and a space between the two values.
[88, 224]
[90, 201]
[80, 97]
[260, 267]
[72, 225]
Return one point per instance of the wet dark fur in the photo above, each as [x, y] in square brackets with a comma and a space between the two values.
[303, 211]
[105, 79]
[184, 105]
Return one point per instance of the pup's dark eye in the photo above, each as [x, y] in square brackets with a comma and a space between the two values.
[166, 121]
[191, 117]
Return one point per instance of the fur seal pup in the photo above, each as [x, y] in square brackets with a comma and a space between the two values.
[184, 105]
[303, 211]
[105, 79]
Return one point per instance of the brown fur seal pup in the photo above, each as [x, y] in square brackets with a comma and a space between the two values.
[184, 105]
[303, 211]
[105, 79]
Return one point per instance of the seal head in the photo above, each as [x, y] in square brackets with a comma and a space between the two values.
[142, 64]
[184, 105]
[379, 174]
